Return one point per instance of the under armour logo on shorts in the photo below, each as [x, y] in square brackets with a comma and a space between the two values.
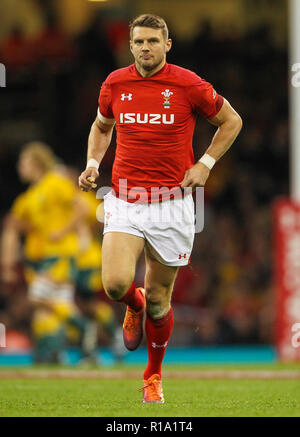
[182, 255]
[123, 96]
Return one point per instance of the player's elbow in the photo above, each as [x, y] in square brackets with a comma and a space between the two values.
[236, 123]
[239, 122]
[104, 129]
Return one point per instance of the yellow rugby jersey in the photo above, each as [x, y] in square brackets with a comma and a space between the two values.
[48, 206]
[33, 244]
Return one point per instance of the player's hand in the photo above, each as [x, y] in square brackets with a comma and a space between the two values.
[87, 179]
[196, 176]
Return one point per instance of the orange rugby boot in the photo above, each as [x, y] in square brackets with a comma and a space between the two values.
[152, 390]
[133, 326]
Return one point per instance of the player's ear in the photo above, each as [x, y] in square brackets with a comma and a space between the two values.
[130, 45]
[168, 45]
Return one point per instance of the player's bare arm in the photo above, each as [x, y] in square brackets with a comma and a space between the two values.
[10, 247]
[98, 143]
[229, 125]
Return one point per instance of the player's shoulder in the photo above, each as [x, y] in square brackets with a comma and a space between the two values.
[55, 179]
[121, 74]
[21, 200]
[24, 201]
[185, 76]
[22, 196]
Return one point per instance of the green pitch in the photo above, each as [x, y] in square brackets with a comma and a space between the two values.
[119, 397]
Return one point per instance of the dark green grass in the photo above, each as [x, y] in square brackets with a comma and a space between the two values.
[105, 398]
[184, 398]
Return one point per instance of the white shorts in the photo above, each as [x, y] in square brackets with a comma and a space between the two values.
[43, 289]
[168, 227]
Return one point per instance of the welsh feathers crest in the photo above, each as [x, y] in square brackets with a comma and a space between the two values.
[167, 94]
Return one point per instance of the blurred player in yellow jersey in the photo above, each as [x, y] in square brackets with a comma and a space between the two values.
[48, 213]
[98, 315]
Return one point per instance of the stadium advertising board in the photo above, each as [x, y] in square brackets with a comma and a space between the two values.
[287, 279]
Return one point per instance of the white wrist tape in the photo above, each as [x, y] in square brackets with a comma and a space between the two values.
[93, 163]
[208, 160]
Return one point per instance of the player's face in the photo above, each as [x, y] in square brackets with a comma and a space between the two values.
[26, 167]
[149, 48]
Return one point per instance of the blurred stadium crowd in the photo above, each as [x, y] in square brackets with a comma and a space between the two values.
[226, 295]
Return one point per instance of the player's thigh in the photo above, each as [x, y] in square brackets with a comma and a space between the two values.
[120, 252]
[159, 279]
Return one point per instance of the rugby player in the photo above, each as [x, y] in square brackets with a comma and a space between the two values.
[154, 106]
[47, 215]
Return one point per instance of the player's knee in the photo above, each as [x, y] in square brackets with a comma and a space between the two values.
[157, 302]
[115, 289]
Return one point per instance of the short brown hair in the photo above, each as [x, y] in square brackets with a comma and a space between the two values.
[150, 20]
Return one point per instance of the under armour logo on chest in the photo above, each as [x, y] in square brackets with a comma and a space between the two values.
[123, 96]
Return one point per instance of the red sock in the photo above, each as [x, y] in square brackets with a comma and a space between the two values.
[158, 333]
[133, 298]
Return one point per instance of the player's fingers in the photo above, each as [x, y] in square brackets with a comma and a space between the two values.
[184, 177]
[86, 179]
[184, 180]
[187, 182]
[84, 185]
[90, 175]
[85, 188]
[92, 180]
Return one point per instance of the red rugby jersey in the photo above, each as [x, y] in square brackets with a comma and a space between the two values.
[155, 120]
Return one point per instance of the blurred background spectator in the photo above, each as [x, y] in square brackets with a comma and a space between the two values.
[54, 73]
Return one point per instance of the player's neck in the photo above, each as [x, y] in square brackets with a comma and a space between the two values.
[37, 176]
[146, 73]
